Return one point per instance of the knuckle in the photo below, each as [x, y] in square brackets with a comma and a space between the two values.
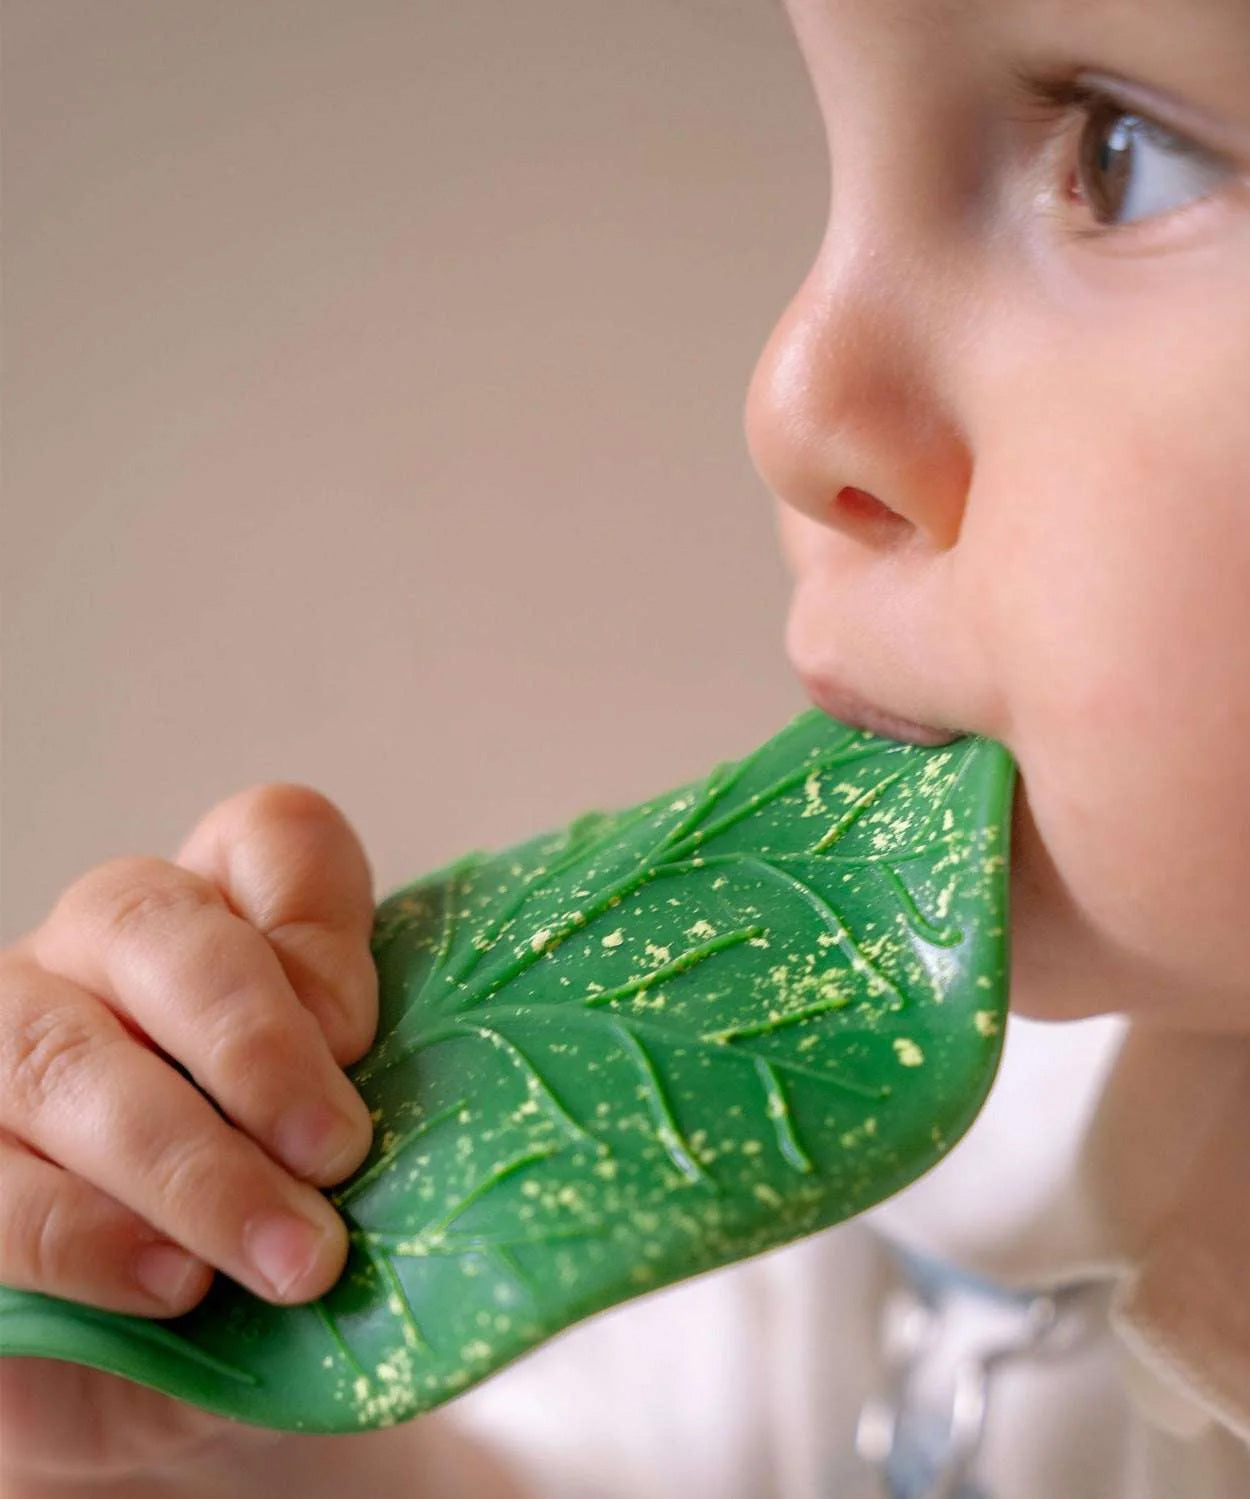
[43, 1052]
[190, 1176]
[253, 1045]
[290, 801]
[34, 1240]
[40, 1240]
[149, 896]
[331, 967]
[242, 816]
[133, 892]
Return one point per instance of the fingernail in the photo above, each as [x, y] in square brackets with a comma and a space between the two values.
[283, 1247]
[166, 1272]
[316, 1139]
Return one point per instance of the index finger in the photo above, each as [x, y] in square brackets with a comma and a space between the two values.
[290, 864]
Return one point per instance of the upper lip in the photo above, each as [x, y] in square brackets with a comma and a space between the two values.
[850, 708]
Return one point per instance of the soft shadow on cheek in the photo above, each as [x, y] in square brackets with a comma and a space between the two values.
[1049, 936]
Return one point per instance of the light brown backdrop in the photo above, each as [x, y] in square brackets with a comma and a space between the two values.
[373, 381]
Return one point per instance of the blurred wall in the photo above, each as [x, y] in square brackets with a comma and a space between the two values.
[373, 383]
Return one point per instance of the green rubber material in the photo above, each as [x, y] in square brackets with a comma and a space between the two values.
[617, 1055]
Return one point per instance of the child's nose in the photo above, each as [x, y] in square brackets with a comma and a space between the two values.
[845, 417]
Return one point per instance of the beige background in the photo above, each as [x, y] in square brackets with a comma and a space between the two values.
[373, 382]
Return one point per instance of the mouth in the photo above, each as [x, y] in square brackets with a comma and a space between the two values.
[857, 712]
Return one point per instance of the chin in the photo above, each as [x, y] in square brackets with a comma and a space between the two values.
[1057, 1002]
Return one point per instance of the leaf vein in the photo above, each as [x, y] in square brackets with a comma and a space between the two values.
[770, 794]
[332, 1327]
[778, 1110]
[358, 1184]
[948, 936]
[677, 965]
[855, 811]
[667, 1131]
[860, 963]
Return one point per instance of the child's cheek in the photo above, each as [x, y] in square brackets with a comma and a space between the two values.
[1108, 548]
[1103, 918]
[1135, 854]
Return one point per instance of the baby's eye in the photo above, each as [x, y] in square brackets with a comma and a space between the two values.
[1129, 168]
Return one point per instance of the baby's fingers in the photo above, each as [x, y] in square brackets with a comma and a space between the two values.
[79, 1089]
[161, 947]
[289, 863]
[64, 1237]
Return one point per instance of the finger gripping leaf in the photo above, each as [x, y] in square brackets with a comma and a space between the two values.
[617, 1055]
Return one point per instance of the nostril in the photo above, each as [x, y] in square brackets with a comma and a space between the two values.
[857, 510]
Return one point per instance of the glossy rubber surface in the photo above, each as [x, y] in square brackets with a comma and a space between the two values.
[617, 1055]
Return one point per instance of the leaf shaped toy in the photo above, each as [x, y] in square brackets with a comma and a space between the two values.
[614, 1056]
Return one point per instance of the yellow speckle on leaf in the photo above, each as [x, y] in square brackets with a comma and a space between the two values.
[986, 1022]
[614, 939]
[908, 1053]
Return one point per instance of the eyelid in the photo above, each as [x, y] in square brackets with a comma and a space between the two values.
[1086, 93]
[1057, 90]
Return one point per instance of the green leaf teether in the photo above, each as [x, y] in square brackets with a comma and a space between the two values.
[617, 1055]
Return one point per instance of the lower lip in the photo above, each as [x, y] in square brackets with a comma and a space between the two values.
[857, 712]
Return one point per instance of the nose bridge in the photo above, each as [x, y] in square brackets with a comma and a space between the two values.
[857, 387]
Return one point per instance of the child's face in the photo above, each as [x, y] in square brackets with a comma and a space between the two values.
[1026, 339]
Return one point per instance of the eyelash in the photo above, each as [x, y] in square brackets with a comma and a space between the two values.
[1054, 96]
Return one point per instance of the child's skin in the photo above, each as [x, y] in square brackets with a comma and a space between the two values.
[1039, 381]
[1049, 409]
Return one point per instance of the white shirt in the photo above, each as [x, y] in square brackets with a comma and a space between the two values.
[1104, 1156]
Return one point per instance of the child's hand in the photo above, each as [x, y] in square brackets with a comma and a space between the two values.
[246, 962]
